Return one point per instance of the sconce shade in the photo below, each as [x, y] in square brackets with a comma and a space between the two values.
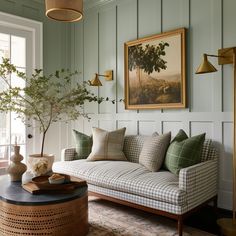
[205, 66]
[95, 81]
[64, 10]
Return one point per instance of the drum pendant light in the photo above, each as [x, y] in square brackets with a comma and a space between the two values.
[64, 10]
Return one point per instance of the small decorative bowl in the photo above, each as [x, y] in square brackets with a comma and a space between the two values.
[58, 180]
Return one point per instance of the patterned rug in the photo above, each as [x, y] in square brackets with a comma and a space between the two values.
[110, 219]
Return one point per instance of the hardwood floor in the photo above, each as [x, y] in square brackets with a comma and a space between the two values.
[205, 219]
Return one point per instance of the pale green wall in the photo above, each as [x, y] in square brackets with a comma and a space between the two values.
[97, 44]
[56, 55]
[56, 35]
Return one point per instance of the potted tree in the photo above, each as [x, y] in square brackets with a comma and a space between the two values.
[45, 99]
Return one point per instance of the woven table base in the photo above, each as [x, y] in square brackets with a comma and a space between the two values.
[62, 219]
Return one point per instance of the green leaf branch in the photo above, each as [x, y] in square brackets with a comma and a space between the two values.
[44, 99]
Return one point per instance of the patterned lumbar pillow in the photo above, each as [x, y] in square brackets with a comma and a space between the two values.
[184, 151]
[154, 150]
[83, 144]
[107, 145]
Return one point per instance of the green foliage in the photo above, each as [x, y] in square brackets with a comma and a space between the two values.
[148, 58]
[44, 99]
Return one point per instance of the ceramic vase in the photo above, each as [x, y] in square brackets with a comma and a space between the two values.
[16, 169]
[40, 165]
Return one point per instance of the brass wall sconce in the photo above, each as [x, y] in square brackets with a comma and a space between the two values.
[226, 56]
[96, 81]
[206, 66]
[64, 10]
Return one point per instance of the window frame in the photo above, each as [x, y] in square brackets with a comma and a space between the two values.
[35, 29]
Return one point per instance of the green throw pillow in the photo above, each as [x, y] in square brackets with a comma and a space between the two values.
[184, 151]
[83, 144]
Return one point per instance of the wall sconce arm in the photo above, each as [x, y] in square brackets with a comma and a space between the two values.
[108, 75]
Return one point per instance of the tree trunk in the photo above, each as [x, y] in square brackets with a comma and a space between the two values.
[139, 75]
[42, 146]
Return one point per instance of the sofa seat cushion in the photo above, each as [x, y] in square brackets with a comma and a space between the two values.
[126, 177]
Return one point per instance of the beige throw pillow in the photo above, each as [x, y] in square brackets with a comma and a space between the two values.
[107, 145]
[154, 150]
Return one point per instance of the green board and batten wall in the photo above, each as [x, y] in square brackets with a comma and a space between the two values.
[97, 44]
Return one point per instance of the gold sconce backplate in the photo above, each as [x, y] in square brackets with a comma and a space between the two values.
[108, 75]
[225, 56]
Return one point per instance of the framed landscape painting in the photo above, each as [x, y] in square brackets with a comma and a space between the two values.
[155, 71]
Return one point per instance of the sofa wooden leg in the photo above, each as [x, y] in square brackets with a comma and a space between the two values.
[215, 203]
[180, 225]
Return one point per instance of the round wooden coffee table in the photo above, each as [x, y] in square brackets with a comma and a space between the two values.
[22, 213]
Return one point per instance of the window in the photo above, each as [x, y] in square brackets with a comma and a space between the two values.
[11, 128]
[21, 42]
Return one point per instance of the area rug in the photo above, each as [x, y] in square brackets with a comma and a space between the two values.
[110, 219]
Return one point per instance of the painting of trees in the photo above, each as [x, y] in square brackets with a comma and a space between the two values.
[147, 59]
[155, 71]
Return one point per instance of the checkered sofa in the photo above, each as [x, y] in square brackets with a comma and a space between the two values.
[130, 183]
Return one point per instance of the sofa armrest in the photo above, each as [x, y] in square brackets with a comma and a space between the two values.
[68, 154]
[199, 182]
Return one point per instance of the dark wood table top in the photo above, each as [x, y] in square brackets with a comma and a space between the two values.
[12, 192]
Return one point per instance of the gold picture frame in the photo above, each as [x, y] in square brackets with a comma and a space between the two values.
[155, 71]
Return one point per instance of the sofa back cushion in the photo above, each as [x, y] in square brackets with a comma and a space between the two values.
[208, 151]
[133, 145]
